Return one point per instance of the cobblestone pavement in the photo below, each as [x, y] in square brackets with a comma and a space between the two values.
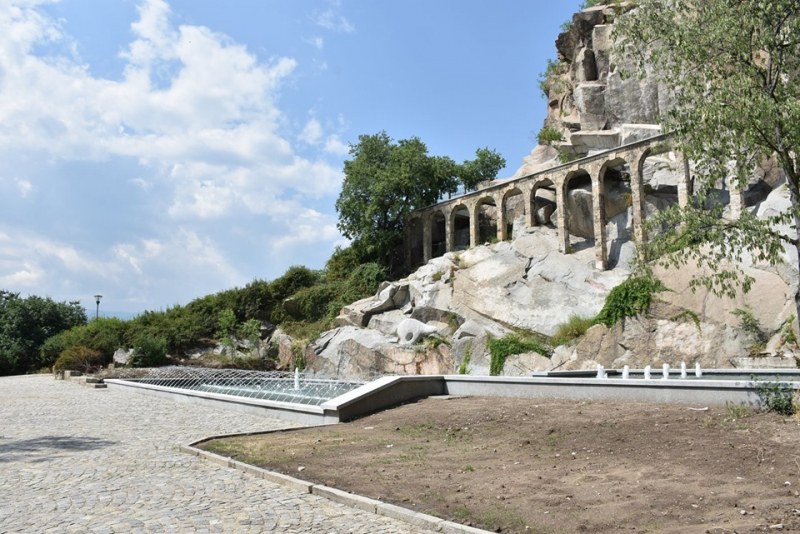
[74, 459]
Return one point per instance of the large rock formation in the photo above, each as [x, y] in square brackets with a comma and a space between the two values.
[465, 299]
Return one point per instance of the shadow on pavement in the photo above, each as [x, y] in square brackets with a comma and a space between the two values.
[15, 450]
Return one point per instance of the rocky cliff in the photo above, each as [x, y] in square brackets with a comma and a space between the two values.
[441, 318]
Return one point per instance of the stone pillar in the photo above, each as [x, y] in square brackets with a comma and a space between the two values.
[561, 218]
[426, 238]
[528, 197]
[499, 202]
[474, 229]
[599, 215]
[637, 193]
[448, 228]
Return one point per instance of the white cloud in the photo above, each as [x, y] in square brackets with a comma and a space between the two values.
[312, 132]
[196, 123]
[309, 227]
[330, 20]
[334, 145]
[24, 186]
[317, 42]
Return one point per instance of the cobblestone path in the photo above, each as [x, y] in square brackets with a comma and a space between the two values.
[74, 459]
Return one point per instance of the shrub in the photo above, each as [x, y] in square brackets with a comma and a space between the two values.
[630, 298]
[546, 78]
[500, 349]
[752, 328]
[776, 397]
[575, 327]
[548, 135]
[79, 358]
[149, 352]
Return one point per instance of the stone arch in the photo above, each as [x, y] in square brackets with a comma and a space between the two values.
[612, 201]
[484, 220]
[439, 241]
[460, 225]
[512, 210]
[662, 176]
[542, 204]
[575, 210]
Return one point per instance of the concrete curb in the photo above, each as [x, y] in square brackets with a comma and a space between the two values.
[359, 502]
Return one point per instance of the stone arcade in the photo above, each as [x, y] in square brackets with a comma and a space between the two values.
[444, 227]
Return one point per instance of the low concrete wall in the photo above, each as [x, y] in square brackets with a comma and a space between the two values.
[393, 390]
[705, 392]
[383, 393]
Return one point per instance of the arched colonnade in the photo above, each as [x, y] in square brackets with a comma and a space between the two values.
[445, 226]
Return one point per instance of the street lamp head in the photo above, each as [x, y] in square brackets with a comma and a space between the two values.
[97, 298]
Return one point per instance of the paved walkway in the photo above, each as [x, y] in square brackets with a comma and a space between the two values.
[74, 459]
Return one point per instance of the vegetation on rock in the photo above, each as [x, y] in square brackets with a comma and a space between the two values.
[733, 68]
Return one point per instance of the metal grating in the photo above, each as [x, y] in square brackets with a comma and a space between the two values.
[297, 388]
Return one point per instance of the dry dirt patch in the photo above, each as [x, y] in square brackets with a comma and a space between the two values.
[521, 465]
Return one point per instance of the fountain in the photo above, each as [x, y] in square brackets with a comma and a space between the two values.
[647, 373]
[665, 372]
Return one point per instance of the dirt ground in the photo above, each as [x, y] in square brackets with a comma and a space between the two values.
[519, 465]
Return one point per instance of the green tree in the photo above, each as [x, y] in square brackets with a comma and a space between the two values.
[484, 167]
[384, 181]
[733, 68]
[25, 324]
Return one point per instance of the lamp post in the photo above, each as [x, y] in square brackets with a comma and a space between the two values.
[97, 310]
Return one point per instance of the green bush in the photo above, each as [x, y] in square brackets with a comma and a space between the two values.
[311, 303]
[575, 327]
[78, 358]
[548, 135]
[149, 352]
[630, 298]
[500, 349]
[776, 397]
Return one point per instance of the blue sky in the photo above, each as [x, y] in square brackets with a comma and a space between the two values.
[155, 151]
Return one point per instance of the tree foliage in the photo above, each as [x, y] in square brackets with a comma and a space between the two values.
[733, 68]
[25, 324]
[483, 168]
[386, 180]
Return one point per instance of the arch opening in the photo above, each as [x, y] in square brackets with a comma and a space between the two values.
[460, 227]
[543, 203]
[578, 211]
[487, 220]
[438, 235]
[513, 213]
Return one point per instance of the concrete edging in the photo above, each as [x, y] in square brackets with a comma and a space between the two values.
[417, 519]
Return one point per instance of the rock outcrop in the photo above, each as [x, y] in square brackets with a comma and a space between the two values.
[440, 319]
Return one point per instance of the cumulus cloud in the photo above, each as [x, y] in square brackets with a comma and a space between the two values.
[193, 125]
[312, 132]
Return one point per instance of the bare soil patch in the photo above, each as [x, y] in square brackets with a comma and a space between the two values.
[521, 465]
